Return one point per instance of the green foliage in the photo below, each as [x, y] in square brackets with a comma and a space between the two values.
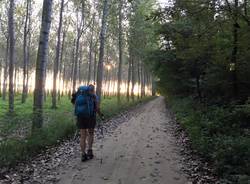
[196, 51]
[202, 66]
[221, 135]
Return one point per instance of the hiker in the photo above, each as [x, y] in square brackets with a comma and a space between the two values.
[86, 107]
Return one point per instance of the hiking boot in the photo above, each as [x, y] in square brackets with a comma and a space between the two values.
[90, 154]
[84, 157]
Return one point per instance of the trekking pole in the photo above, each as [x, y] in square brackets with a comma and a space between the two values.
[76, 135]
[102, 141]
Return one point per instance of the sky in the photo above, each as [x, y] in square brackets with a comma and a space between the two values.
[164, 2]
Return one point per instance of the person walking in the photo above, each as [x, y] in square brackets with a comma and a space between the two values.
[87, 106]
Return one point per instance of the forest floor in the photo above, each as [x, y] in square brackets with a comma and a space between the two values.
[140, 146]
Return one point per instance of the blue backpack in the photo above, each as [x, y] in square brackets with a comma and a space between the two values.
[84, 104]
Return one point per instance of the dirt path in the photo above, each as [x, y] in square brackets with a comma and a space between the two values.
[140, 151]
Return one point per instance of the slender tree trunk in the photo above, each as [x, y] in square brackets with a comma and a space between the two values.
[235, 51]
[120, 53]
[11, 31]
[5, 75]
[79, 34]
[129, 79]
[65, 81]
[109, 80]
[80, 78]
[95, 63]
[42, 58]
[72, 64]
[76, 63]
[145, 81]
[113, 80]
[61, 63]
[102, 44]
[153, 85]
[25, 52]
[133, 78]
[91, 50]
[72, 67]
[28, 57]
[90, 63]
[56, 63]
[15, 78]
[138, 78]
[142, 80]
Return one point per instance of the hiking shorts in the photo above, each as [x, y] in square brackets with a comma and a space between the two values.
[86, 123]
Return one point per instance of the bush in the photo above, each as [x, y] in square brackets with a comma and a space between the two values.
[219, 134]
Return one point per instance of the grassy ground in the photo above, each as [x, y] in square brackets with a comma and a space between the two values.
[16, 141]
[220, 134]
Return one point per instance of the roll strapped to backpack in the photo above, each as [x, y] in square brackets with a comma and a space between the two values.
[84, 103]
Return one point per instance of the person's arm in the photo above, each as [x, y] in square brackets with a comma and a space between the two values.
[98, 108]
[73, 98]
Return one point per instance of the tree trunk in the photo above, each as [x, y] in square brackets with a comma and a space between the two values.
[5, 73]
[102, 45]
[113, 82]
[11, 31]
[138, 78]
[65, 81]
[91, 50]
[15, 78]
[79, 34]
[28, 58]
[133, 78]
[61, 63]
[80, 64]
[90, 63]
[25, 51]
[109, 80]
[73, 61]
[56, 63]
[129, 79]
[42, 58]
[95, 63]
[76, 62]
[147, 80]
[235, 51]
[120, 53]
[142, 80]
[153, 85]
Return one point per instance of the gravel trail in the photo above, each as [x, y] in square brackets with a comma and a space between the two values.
[139, 147]
[139, 151]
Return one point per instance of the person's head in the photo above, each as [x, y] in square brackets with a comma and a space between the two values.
[92, 89]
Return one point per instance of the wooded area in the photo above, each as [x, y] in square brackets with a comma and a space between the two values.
[195, 53]
[203, 69]
[49, 49]
[75, 43]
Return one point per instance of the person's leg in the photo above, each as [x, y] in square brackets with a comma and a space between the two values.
[83, 137]
[91, 130]
[90, 138]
